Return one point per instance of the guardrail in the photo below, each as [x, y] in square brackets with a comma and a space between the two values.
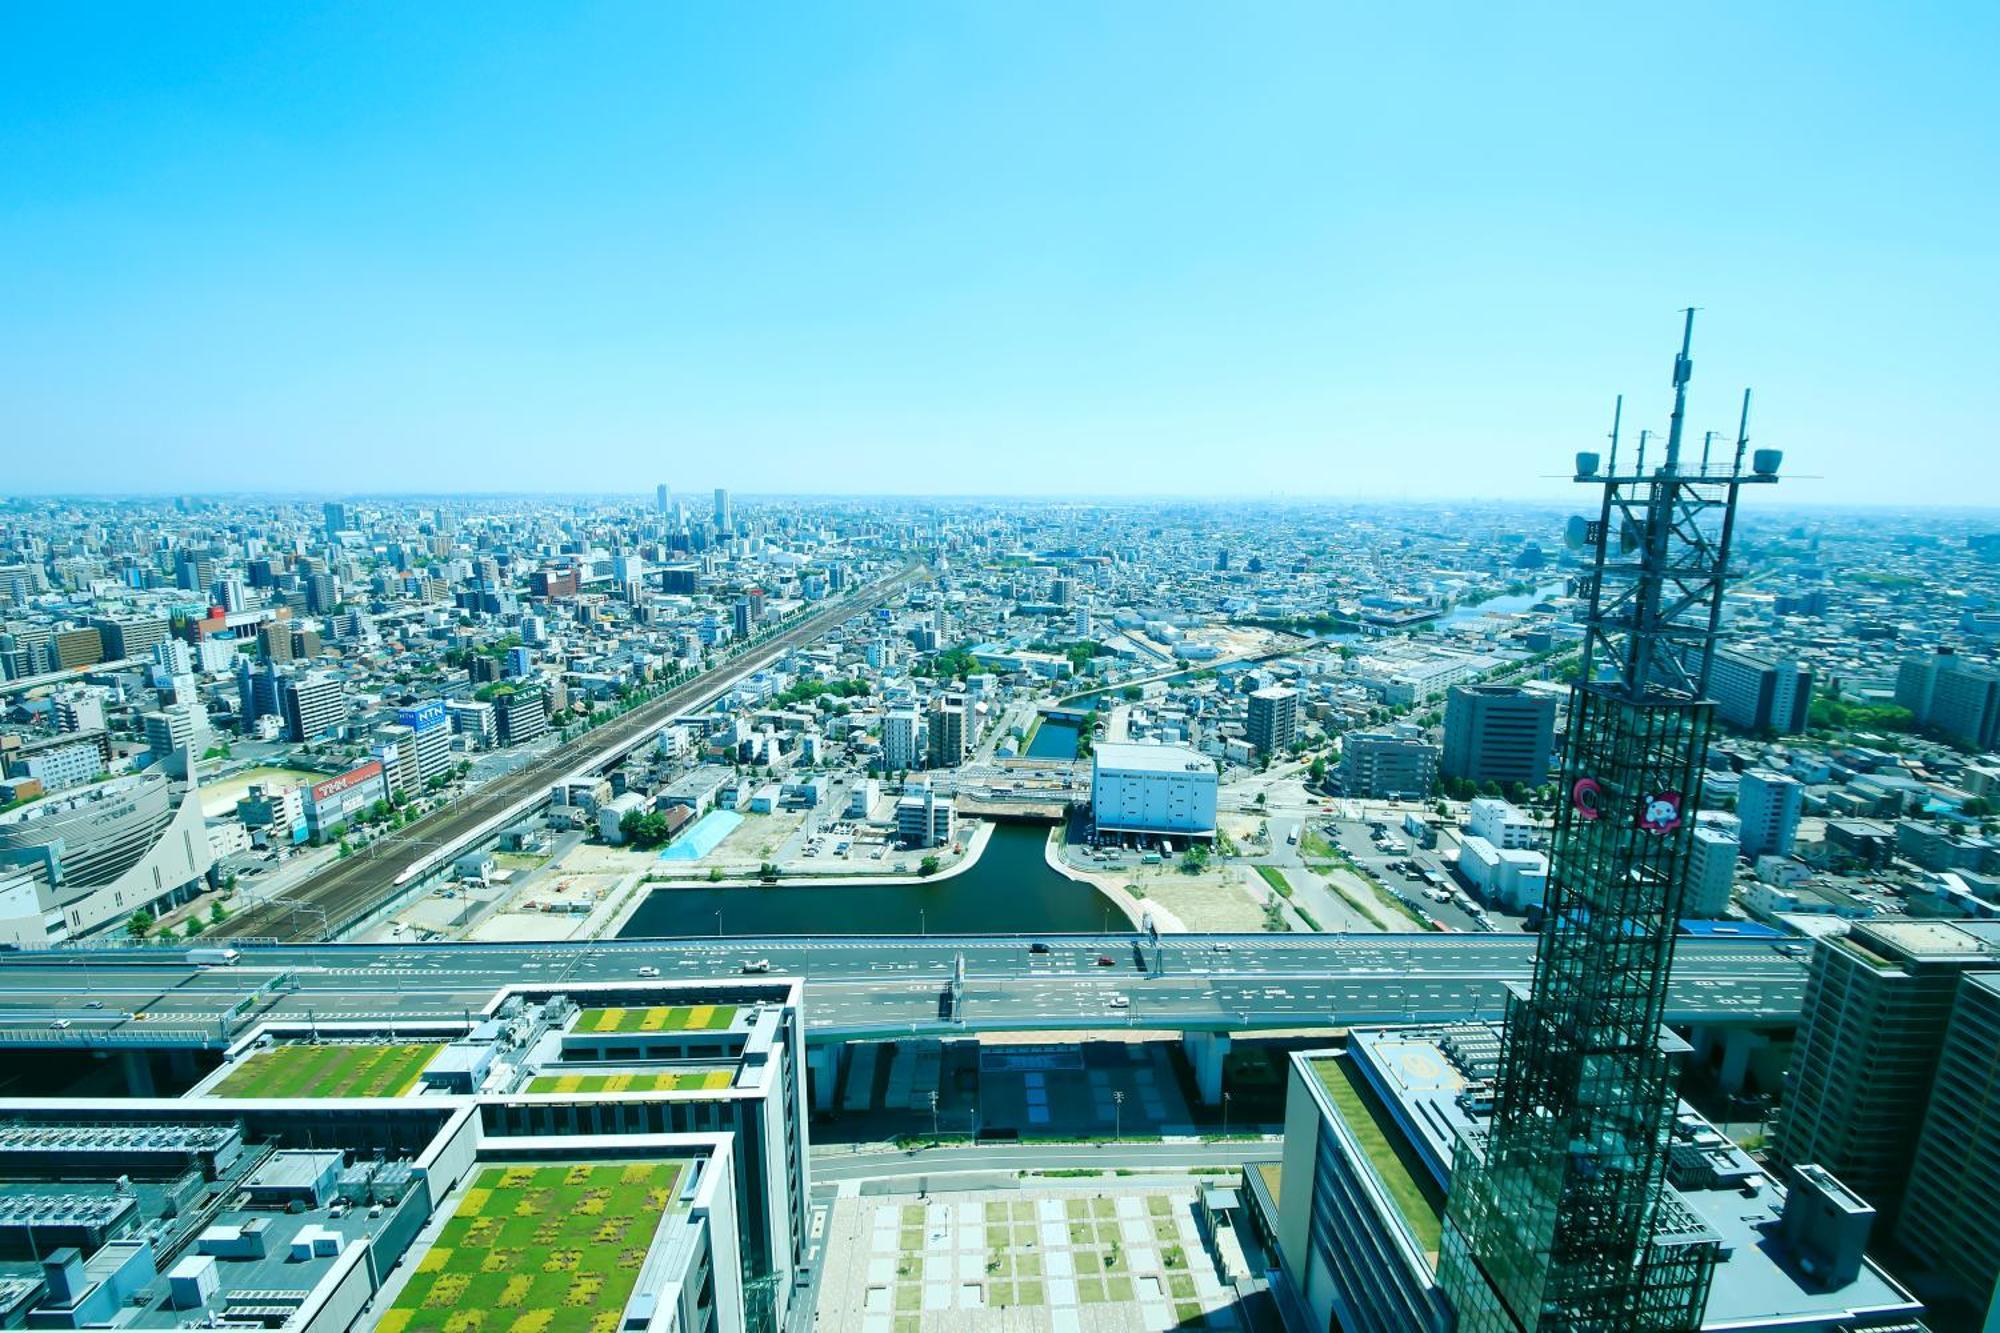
[95, 1037]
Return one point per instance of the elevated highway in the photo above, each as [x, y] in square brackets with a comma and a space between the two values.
[857, 987]
[349, 891]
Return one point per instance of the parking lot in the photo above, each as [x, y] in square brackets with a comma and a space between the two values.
[1392, 859]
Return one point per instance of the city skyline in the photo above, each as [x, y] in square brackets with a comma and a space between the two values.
[302, 251]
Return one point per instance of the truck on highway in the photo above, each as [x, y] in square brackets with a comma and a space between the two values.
[214, 957]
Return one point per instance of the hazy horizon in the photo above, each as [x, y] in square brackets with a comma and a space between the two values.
[921, 250]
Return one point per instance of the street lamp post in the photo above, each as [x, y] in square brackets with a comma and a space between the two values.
[934, 1113]
[1118, 1113]
[1225, 1115]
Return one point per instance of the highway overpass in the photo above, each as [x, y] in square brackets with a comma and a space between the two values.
[858, 988]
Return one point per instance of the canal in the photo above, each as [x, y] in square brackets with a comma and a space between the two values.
[1053, 740]
[1009, 890]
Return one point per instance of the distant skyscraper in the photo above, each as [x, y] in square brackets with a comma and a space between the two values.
[336, 517]
[662, 498]
[724, 519]
[1498, 733]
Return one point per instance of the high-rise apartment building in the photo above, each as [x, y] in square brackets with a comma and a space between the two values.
[1273, 722]
[1498, 733]
[79, 709]
[1760, 694]
[335, 514]
[899, 740]
[520, 713]
[176, 727]
[1952, 696]
[432, 731]
[948, 733]
[274, 641]
[1947, 1218]
[1870, 1036]
[314, 704]
[1768, 805]
[78, 648]
[1711, 874]
[129, 636]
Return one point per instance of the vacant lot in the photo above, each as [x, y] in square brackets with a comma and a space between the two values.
[332, 1070]
[658, 1018]
[539, 1247]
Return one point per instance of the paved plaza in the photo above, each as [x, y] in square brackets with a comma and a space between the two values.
[1092, 1260]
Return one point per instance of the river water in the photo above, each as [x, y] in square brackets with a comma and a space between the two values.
[1054, 740]
[1009, 890]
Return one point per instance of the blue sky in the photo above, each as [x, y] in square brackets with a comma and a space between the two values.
[1125, 248]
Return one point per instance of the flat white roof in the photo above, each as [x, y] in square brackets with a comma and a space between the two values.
[1121, 757]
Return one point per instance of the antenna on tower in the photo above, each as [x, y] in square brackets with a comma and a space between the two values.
[1683, 371]
[1617, 416]
[1742, 435]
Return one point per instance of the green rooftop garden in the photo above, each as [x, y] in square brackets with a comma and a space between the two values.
[670, 1018]
[335, 1069]
[703, 1080]
[548, 1248]
[1403, 1177]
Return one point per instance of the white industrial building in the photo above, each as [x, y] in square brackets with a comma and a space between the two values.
[1499, 823]
[1158, 789]
[1512, 878]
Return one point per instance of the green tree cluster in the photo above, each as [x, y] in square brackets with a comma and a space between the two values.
[644, 830]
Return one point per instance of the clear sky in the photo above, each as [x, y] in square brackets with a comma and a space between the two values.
[996, 248]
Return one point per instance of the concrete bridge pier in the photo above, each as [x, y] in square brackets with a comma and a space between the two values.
[824, 1061]
[138, 1067]
[182, 1066]
[1207, 1052]
[1738, 1045]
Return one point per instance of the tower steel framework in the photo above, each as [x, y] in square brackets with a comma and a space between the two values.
[1559, 1216]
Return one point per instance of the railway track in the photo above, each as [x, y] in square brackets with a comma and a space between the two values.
[349, 890]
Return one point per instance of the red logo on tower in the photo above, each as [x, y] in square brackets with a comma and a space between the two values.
[1588, 797]
[1662, 813]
